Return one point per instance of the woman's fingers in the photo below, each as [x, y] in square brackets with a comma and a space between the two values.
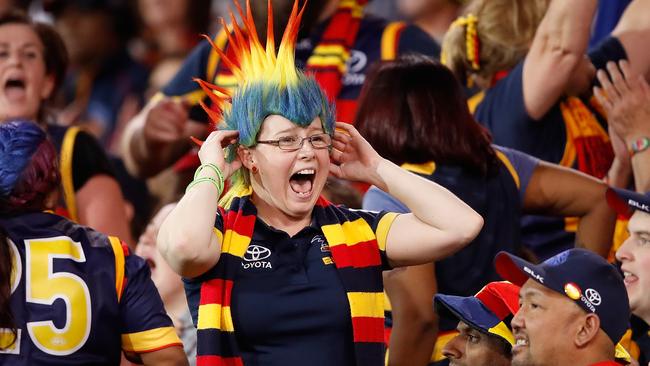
[618, 81]
[609, 91]
[335, 170]
[336, 155]
[602, 98]
[339, 145]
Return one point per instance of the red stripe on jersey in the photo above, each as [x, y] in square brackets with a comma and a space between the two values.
[363, 254]
[208, 360]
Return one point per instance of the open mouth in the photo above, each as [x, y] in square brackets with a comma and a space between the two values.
[302, 182]
[520, 343]
[14, 88]
[629, 278]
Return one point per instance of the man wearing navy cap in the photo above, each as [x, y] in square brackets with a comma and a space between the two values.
[484, 338]
[573, 309]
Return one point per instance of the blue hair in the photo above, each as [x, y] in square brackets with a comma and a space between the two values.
[19, 139]
[299, 103]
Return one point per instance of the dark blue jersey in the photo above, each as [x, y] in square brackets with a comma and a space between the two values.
[78, 297]
[502, 110]
[289, 306]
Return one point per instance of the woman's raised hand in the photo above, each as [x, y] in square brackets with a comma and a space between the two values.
[352, 157]
[212, 151]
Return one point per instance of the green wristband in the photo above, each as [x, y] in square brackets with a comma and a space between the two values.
[214, 168]
[217, 185]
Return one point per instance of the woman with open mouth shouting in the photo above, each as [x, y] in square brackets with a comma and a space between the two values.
[275, 274]
[33, 62]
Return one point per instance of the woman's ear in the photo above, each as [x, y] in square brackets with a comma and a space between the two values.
[245, 156]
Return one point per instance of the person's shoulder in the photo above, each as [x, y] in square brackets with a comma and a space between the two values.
[414, 40]
[53, 227]
[404, 37]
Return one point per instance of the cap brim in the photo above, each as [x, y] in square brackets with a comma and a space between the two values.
[467, 309]
[516, 270]
[624, 202]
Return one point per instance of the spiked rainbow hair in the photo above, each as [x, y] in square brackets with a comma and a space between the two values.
[269, 83]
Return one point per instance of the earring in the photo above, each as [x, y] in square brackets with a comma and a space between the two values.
[254, 169]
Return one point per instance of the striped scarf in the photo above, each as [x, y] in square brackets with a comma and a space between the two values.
[587, 141]
[356, 254]
[328, 62]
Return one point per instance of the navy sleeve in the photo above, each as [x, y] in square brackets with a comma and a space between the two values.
[415, 40]
[88, 160]
[610, 49]
[145, 324]
[523, 164]
[503, 112]
[377, 200]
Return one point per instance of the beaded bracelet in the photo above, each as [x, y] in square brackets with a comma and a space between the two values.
[214, 168]
[218, 186]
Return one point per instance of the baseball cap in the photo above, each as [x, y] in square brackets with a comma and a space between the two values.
[486, 311]
[626, 202]
[582, 276]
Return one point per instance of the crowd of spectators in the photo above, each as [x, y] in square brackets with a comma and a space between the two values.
[467, 142]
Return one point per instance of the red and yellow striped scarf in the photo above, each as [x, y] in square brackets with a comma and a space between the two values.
[588, 147]
[328, 61]
[355, 252]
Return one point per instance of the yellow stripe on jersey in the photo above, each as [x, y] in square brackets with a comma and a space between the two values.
[366, 304]
[349, 233]
[383, 227]
[67, 150]
[424, 168]
[504, 159]
[571, 224]
[215, 316]
[119, 265]
[475, 100]
[389, 40]
[150, 340]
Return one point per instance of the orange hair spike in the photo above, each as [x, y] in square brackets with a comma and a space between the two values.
[270, 36]
[214, 116]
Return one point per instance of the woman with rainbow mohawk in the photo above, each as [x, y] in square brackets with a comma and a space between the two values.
[276, 274]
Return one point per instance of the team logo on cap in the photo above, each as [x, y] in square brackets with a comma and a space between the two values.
[638, 205]
[534, 275]
[593, 296]
[572, 291]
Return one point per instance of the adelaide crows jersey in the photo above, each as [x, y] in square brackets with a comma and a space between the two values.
[78, 297]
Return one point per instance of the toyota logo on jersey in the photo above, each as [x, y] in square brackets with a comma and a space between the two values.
[256, 253]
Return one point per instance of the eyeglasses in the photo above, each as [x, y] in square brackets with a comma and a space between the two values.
[293, 143]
